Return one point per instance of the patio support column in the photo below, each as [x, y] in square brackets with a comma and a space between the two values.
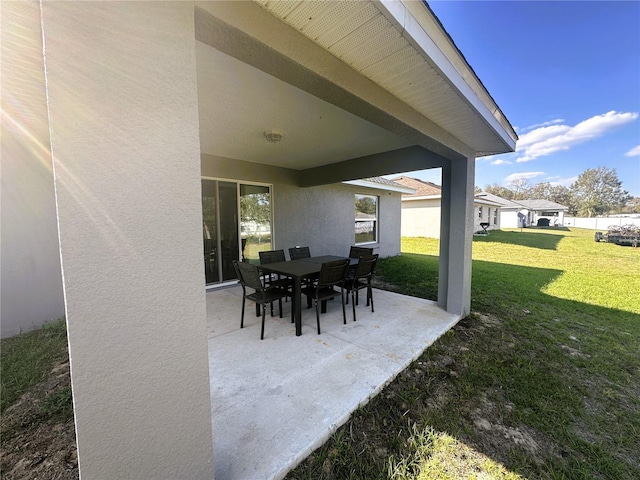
[456, 235]
[123, 113]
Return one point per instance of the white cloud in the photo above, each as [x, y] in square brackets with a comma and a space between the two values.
[634, 152]
[500, 161]
[549, 139]
[514, 177]
[545, 124]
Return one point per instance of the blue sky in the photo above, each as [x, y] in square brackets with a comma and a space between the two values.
[566, 75]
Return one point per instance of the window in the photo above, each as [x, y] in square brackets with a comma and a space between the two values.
[479, 212]
[236, 226]
[549, 214]
[495, 216]
[366, 219]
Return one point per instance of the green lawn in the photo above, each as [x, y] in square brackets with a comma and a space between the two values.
[542, 382]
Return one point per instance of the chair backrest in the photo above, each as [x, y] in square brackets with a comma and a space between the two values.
[357, 252]
[366, 266]
[333, 273]
[238, 273]
[271, 256]
[248, 275]
[297, 253]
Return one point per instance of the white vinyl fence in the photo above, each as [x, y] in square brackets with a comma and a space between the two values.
[599, 223]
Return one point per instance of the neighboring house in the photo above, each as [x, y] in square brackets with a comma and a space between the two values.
[511, 213]
[543, 209]
[524, 213]
[421, 210]
[129, 127]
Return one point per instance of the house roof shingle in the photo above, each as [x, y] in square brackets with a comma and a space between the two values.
[421, 187]
[533, 204]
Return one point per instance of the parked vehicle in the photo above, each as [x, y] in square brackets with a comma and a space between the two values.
[620, 235]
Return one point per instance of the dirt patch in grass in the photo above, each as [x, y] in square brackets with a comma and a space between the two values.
[38, 433]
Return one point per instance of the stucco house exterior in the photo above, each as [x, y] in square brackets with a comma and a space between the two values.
[421, 210]
[544, 209]
[127, 127]
[523, 213]
[511, 213]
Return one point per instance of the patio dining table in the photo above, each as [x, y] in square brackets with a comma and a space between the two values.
[299, 270]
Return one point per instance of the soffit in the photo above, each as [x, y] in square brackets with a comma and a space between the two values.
[238, 103]
[391, 51]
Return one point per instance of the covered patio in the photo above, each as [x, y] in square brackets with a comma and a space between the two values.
[275, 401]
[112, 134]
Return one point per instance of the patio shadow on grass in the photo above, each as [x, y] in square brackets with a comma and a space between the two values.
[523, 238]
[533, 385]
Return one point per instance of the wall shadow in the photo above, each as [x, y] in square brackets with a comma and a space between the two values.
[522, 238]
[531, 382]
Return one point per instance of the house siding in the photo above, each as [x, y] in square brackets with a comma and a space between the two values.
[421, 218]
[31, 278]
[320, 217]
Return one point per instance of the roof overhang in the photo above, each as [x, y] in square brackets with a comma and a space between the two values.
[336, 73]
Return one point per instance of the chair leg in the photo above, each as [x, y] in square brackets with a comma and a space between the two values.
[264, 310]
[370, 293]
[257, 309]
[242, 315]
[344, 312]
[353, 304]
[280, 305]
[318, 315]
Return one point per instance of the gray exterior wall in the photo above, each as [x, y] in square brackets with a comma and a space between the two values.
[323, 218]
[320, 217]
[31, 279]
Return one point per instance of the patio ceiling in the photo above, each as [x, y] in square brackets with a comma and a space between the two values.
[340, 80]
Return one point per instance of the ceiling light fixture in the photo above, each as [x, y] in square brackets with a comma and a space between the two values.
[273, 136]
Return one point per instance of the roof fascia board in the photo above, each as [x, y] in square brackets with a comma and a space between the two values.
[380, 186]
[422, 197]
[413, 18]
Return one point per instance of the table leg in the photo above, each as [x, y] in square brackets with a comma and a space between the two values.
[297, 300]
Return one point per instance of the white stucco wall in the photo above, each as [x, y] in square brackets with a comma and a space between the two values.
[31, 281]
[488, 212]
[323, 219]
[509, 219]
[421, 218]
[127, 160]
[320, 217]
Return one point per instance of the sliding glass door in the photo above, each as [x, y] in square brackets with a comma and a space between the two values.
[236, 221]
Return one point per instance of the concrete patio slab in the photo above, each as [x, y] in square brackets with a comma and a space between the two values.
[275, 401]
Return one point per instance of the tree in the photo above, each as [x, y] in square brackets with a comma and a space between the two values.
[256, 208]
[554, 193]
[499, 190]
[632, 206]
[598, 191]
[520, 188]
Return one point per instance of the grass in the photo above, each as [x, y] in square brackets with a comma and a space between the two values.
[542, 382]
[26, 360]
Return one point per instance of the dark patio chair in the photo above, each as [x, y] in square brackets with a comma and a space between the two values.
[357, 252]
[296, 253]
[332, 275]
[271, 279]
[361, 280]
[249, 277]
